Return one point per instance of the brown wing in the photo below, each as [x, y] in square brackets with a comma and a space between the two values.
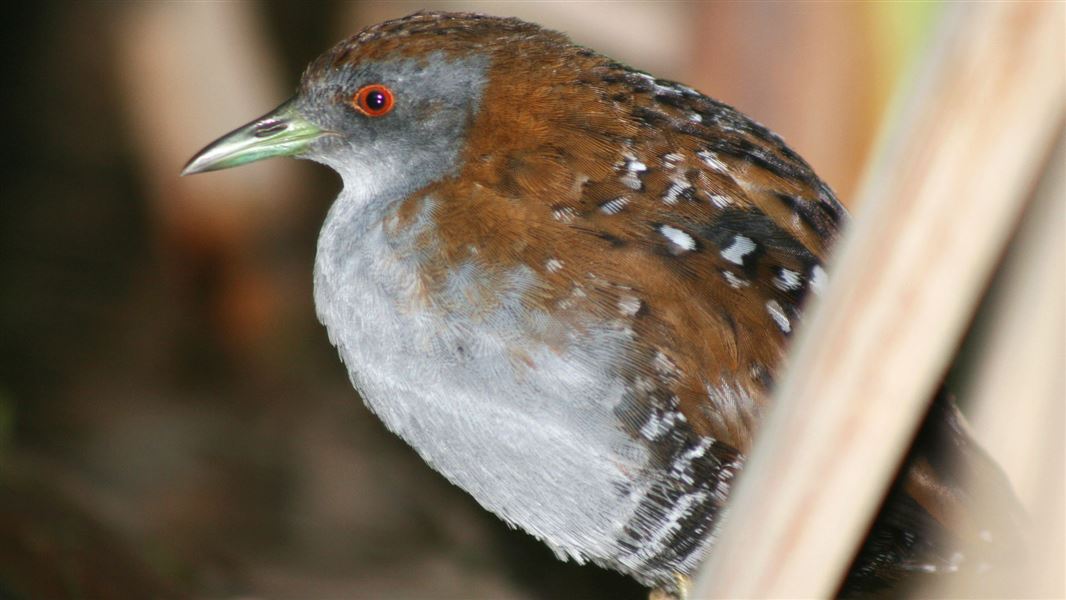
[653, 205]
[719, 230]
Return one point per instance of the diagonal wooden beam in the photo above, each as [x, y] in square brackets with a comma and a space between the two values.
[935, 213]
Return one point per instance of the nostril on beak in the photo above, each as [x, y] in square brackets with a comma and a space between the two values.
[270, 128]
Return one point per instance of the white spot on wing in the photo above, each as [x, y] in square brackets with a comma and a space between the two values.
[818, 279]
[672, 192]
[631, 181]
[629, 305]
[711, 160]
[736, 251]
[720, 201]
[679, 238]
[728, 404]
[734, 281]
[678, 184]
[695, 118]
[664, 365]
[787, 280]
[613, 207]
[672, 158]
[662, 90]
[779, 316]
[553, 265]
[633, 167]
[564, 214]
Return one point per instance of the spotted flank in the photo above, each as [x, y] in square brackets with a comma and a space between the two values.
[671, 527]
[660, 424]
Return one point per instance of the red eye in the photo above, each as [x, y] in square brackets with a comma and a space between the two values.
[373, 100]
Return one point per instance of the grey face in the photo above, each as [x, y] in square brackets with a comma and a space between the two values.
[418, 141]
[435, 98]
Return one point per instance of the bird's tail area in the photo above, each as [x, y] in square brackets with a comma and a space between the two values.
[951, 512]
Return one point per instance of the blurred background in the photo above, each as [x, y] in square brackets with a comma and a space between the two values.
[173, 420]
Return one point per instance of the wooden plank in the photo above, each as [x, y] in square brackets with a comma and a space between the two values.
[937, 209]
[1016, 388]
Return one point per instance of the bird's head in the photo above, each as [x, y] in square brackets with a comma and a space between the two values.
[390, 107]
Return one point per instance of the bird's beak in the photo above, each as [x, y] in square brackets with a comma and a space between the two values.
[281, 132]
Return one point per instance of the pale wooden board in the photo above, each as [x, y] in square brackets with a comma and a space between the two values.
[936, 211]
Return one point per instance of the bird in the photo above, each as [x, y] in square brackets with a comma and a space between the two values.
[570, 286]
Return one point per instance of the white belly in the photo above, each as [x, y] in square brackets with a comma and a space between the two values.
[533, 440]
